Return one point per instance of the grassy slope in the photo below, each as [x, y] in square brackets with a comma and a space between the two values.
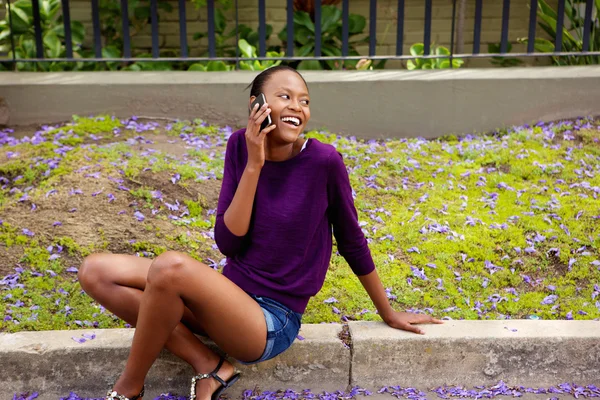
[497, 226]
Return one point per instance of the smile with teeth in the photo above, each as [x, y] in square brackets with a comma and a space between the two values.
[291, 120]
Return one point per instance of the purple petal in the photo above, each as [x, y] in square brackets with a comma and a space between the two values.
[569, 315]
[28, 232]
[550, 299]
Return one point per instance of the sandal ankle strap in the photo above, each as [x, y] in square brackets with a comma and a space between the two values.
[113, 395]
[212, 374]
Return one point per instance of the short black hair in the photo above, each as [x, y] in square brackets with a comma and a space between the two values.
[259, 81]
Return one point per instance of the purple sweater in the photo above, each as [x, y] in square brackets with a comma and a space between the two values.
[286, 252]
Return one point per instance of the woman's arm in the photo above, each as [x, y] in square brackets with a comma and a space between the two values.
[236, 200]
[395, 319]
[237, 217]
[353, 246]
[229, 243]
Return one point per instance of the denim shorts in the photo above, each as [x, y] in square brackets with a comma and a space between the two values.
[283, 326]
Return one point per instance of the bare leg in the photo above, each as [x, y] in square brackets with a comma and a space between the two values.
[117, 282]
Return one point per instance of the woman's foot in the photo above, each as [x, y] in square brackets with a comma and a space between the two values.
[123, 390]
[206, 387]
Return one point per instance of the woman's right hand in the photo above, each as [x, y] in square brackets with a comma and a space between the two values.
[255, 138]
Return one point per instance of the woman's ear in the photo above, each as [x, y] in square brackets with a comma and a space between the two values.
[252, 98]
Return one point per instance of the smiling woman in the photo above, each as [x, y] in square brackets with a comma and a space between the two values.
[281, 198]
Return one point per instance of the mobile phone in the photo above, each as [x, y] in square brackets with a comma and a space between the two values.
[260, 100]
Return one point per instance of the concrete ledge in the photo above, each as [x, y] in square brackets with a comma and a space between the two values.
[367, 104]
[467, 353]
[53, 363]
[537, 354]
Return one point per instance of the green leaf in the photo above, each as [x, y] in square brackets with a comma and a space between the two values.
[52, 44]
[309, 65]
[304, 50]
[442, 51]
[142, 13]
[247, 50]
[544, 8]
[566, 35]
[282, 35]
[417, 49]
[199, 35]
[380, 64]
[458, 62]
[443, 64]
[77, 32]
[330, 17]
[20, 21]
[304, 36]
[111, 52]
[356, 24]
[253, 37]
[331, 51]
[220, 22]
[197, 67]
[28, 46]
[543, 45]
[302, 18]
[411, 65]
[364, 65]
[217, 66]
[4, 34]
[245, 65]
[243, 31]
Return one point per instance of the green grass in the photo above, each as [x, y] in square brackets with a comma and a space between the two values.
[476, 217]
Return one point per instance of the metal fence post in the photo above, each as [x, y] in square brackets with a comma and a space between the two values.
[12, 38]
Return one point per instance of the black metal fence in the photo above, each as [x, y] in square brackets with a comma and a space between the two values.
[588, 41]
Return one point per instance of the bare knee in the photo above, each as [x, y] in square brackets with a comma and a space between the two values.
[168, 269]
[90, 272]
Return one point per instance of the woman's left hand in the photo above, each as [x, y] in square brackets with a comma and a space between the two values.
[405, 321]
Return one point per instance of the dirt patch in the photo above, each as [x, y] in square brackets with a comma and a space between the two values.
[21, 131]
[89, 220]
[504, 168]
[10, 258]
[345, 337]
[170, 145]
[559, 268]
[205, 192]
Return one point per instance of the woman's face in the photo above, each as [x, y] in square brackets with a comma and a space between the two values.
[287, 96]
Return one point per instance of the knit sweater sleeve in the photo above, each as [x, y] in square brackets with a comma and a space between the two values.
[350, 238]
[228, 243]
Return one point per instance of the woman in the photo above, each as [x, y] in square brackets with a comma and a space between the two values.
[280, 198]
